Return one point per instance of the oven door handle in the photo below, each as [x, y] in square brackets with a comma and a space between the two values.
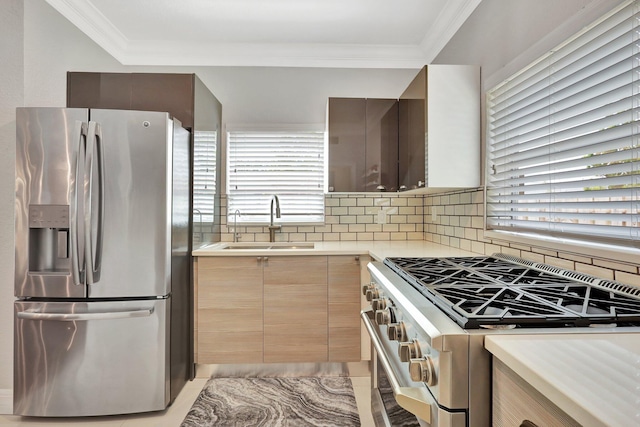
[414, 399]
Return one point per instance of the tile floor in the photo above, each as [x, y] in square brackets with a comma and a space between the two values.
[173, 416]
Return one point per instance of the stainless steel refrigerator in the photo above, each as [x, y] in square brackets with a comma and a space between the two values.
[101, 321]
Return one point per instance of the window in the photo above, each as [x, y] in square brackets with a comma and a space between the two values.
[563, 152]
[289, 164]
[204, 175]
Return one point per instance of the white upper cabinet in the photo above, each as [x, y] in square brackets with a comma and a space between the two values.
[439, 129]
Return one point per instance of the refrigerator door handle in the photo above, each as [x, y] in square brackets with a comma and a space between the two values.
[72, 317]
[93, 244]
[77, 255]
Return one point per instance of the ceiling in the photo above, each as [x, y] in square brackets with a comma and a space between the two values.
[290, 33]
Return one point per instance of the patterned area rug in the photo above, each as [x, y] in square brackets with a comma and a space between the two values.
[282, 402]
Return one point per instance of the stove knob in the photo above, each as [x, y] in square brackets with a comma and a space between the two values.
[397, 332]
[372, 294]
[365, 288]
[422, 370]
[384, 317]
[378, 304]
[409, 350]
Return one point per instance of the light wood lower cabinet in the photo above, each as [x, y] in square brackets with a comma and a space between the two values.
[278, 309]
[229, 310]
[344, 308]
[295, 309]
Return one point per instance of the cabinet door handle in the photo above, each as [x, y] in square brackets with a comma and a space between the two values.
[357, 257]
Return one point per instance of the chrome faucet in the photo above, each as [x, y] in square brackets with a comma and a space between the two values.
[236, 235]
[272, 227]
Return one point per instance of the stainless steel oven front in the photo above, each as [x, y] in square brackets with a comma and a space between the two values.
[401, 376]
[422, 360]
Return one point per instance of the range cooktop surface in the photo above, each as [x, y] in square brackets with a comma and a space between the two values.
[502, 291]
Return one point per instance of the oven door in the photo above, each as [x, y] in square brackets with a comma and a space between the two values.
[396, 400]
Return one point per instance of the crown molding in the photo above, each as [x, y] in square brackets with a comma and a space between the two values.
[275, 55]
[446, 25]
[84, 15]
[89, 20]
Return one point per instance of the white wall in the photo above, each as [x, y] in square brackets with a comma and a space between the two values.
[11, 96]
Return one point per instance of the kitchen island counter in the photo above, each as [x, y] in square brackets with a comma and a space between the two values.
[378, 250]
[594, 378]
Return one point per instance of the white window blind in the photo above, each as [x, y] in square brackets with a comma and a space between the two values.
[204, 175]
[563, 153]
[289, 164]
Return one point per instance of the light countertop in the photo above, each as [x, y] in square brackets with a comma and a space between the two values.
[594, 378]
[378, 250]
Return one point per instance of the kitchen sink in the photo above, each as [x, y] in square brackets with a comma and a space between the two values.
[245, 246]
[268, 246]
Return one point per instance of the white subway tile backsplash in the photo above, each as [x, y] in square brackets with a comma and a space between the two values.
[601, 272]
[356, 228]
[465, 198]
[629, 279]
[616, 266]
[343, 210]
[560, 262]
[459, 223]
[364, 201]
[574, 257]
[392, 228]
[381, 236]
[340, 228]
[477, 247]
[510, 251]
[347, 219]
[374, 228]
[398, 236]
[348, 236]
[407, 210]
[356, 210]
[470, 233]
[477, 222]
[348, 202]
[531, 256]
[365, 236]
[364, 219]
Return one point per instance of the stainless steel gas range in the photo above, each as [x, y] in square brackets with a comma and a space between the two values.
[429, 317]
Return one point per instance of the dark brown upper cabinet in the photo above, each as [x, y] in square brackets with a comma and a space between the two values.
[363, 144]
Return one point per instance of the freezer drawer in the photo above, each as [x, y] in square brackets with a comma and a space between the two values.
[91, 358]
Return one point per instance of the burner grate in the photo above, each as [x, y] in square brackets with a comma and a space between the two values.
[490, 290]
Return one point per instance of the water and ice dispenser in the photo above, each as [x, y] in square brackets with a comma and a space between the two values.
[48, 238]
